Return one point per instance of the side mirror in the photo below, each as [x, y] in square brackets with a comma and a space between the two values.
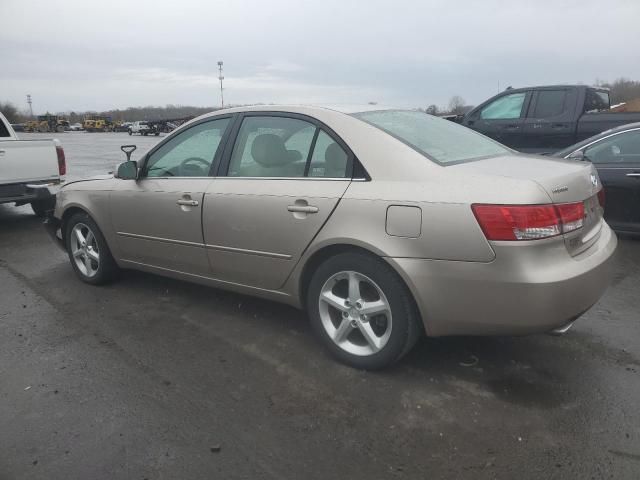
[578, 155]
[127, 170]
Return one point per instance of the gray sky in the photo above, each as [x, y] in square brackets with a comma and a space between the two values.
[78, 55]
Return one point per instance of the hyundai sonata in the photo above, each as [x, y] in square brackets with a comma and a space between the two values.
[382, 224]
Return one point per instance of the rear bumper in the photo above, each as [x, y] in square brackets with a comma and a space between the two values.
[23, 193]
[524, 290]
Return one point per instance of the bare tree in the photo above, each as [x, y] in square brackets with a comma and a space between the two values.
[432, 109]
[10, 111]
[456, 105]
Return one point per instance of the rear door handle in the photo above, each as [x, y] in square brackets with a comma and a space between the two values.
[188, 203]
[512, 127]
[303, 208]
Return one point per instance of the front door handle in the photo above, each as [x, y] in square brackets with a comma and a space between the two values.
[303, 208]
[637, 175]
[188, 203]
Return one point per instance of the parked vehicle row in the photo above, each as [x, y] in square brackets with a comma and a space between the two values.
[382, 224]
[546, 119]
[31, 171]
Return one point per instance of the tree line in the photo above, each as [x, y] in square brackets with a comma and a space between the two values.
[621, 90]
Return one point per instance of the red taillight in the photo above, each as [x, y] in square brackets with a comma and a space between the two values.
[601, 198]
[528, 222]
[62, 164]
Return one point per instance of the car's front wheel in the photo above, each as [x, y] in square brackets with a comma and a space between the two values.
[88, 251]
[362, 311]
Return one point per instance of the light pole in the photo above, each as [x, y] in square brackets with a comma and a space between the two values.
[220, 77]
[30, 107]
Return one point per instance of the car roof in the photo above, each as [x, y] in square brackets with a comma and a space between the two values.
[309, 108]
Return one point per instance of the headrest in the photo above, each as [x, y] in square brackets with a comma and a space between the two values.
[268, 150]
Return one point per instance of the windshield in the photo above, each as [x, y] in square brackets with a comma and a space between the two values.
[442, 141]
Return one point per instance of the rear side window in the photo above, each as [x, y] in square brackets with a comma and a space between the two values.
[549, 103]
[329, 160]
[596, 101]
[507, 107]
[274, 146]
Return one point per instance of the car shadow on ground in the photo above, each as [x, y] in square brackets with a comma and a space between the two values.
[517, 370]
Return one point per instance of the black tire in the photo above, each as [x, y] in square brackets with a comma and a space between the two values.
[42, 207]
[107, 269]
[130, 132]
[406, 322]
[157, 134]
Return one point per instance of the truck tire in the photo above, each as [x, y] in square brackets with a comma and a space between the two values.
[42, 207]
[130, 132]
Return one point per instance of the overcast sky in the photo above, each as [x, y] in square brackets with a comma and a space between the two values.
[79, 55]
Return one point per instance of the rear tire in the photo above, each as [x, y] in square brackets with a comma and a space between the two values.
[362, 311]
[88, 250]
[42, 207]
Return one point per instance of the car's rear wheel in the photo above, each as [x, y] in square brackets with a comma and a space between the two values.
[362, 311]
[88, 250]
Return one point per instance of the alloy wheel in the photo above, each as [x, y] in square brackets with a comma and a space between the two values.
[85, 250]
[355, 313]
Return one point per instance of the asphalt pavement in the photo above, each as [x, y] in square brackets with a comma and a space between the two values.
[151, 378]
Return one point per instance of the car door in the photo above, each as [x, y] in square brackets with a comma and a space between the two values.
[157, 218]
[617, 159]
[502, 119]
[280, 181]
[549, 125]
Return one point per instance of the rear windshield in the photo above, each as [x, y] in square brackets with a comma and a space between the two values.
[442, 141]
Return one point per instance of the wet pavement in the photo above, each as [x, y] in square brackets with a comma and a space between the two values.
[159, 379]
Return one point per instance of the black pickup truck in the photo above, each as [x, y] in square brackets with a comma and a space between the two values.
[545, 119]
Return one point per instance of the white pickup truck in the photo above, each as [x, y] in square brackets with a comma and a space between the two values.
[143, 128]
[31, 171]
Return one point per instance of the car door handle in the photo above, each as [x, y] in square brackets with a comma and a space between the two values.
[636, 175]
[188, 203]
[303, 208]
[512, 127]
[1, 153]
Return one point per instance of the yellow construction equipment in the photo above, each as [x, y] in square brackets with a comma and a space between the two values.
[97, 123]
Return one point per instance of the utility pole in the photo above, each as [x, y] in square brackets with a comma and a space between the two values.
[30, 107]
[220, 77]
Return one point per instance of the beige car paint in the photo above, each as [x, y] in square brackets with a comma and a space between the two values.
[252, 237]
[462, 283]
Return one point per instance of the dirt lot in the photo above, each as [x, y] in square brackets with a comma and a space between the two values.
[158, 379]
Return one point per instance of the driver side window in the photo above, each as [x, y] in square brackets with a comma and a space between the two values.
[188, 154]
